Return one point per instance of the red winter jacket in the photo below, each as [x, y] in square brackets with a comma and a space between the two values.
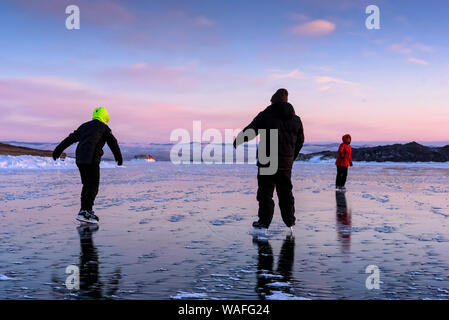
[344, 158]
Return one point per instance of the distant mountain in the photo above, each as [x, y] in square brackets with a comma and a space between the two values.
[409, 152]
[10, 150]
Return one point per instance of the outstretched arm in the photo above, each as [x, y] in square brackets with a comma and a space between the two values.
[113, 145]
[67, 142]
[250, 132]
[299, 139]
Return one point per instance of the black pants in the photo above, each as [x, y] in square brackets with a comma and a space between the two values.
[283, 184]
[342, 173]
[90, 177]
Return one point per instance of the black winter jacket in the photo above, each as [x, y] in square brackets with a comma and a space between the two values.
[91, 136]
[280, 116]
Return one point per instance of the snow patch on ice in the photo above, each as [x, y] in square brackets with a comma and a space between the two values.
[220, 275]
[189, 295]
[385, 229]
[5, 278]
[382, 199]
[269, 276]
[226, 220]
[279, 284]
[42, 163]
[278, 295]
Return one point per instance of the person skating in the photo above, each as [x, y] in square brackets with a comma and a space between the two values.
[344, 160]
[280, 115]
[91, 137]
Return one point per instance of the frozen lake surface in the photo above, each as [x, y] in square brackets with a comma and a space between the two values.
[177, 232]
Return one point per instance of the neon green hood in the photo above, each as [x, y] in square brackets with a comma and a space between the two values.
[101, 114]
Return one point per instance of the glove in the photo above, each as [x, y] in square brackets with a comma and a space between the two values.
[120, 162]
[54, 156]
[350, 164]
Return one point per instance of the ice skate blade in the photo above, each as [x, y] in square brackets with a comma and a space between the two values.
[86, 221]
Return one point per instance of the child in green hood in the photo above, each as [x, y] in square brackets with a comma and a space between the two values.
[91, 137]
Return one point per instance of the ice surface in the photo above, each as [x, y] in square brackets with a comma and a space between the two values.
[184, 232]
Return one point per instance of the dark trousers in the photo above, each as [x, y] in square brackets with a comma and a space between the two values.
[90, 177]
[342, 173]
[283, 184]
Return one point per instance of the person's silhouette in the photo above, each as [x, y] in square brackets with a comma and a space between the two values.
[286, 258]
[343, 216]
[90, 284]
[265, 260]
[275, 174]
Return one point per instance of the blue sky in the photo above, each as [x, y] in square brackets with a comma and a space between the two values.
[159, 65]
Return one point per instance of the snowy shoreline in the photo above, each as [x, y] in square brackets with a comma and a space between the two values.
[42, 163]
[46, 163]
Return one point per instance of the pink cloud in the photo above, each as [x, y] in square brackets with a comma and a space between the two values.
[407, 47]
[326, 83]
[400, 48]
[318, 27]
[418, 61]
[327, 79]
[279, 74]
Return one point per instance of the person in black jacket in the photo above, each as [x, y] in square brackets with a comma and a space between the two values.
[279, 116]
[91, 137]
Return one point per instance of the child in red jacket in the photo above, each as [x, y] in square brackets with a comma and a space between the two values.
[344, 160]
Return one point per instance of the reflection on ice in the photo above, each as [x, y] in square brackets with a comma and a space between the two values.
[267, 278]
[90, 283]
[343, 221]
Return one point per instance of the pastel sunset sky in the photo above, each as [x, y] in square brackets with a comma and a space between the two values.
[159, 65]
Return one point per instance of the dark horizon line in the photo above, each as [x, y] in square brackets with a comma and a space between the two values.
[306, 143]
